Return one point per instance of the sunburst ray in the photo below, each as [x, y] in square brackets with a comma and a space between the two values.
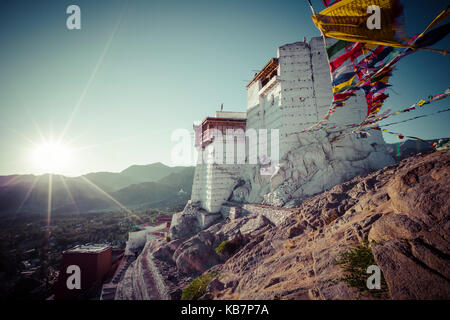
[11, 180]
[63, 180]
[49, 199]
[130, 213]
[91, 78]
[30, 189]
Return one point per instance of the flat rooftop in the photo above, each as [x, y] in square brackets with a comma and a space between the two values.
[231, 114]
[266, 73]
[92, 248]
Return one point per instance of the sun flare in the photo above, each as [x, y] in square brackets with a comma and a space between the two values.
[51, 157]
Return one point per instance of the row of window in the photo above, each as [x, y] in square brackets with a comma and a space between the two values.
[308, 89]
[298, 62]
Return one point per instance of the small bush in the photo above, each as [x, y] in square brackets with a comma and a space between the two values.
[355, 262]
[221, 247]
[197, 287]
[168, 238]
[228, 247]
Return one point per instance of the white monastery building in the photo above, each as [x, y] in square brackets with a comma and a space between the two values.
[291, 92]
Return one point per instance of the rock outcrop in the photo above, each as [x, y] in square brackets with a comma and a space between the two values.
[191, 220]
[314, 165]
[164, 268]
[403, 209]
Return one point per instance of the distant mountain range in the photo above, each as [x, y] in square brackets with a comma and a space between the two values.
[408, 148]
[137, 187]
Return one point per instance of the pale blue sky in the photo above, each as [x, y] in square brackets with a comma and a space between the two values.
[169, 64]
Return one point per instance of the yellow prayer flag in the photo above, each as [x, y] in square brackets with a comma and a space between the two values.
[348, 20]
[343, 85]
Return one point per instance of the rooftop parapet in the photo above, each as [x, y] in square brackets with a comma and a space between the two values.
[204, 133]
[92, 248]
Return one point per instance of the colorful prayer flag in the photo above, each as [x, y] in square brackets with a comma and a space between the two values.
[347, 20]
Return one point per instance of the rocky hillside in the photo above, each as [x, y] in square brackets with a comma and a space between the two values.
[402, 211]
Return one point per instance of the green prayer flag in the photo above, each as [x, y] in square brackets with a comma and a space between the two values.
[338, 46]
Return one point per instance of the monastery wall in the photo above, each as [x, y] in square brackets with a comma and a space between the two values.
[214, 179]
[293, 94]
[296, 98]
[299, 95]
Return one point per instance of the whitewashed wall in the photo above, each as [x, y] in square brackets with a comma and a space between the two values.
[136, 240]
[295, 99]
[215, 181]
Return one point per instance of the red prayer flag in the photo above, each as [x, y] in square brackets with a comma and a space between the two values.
[352, 54]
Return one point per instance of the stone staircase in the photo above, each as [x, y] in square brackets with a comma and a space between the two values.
[109, 289]
[143, 279]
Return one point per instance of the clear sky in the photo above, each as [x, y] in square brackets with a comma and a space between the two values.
[164, 66]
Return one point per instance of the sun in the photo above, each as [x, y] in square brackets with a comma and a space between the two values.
[51, 157]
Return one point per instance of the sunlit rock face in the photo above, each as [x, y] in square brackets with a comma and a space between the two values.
[164, 268]
[291, 253]
[191, 221]
[402, 210]
[315, 165]
[291, 93]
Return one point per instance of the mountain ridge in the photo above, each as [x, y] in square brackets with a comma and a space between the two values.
[94, 191]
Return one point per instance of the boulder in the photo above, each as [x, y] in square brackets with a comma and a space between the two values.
[197, 254]
[407, 277]
[422, 189]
